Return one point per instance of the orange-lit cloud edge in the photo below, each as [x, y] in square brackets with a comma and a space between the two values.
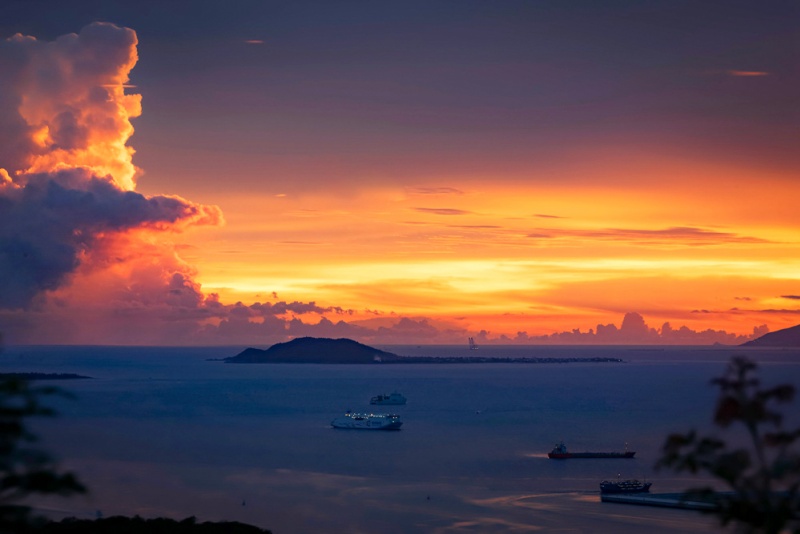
[699, 252]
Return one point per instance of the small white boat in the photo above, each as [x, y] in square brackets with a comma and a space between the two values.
[367, 421]
[393, 400]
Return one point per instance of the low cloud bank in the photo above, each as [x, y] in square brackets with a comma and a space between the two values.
[634, 330]
[238, 326]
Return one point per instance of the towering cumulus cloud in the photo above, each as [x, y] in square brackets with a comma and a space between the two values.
[68, 207]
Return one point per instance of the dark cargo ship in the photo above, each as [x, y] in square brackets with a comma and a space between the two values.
[560, 452]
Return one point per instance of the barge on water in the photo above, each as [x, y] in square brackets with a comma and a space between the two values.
[560, 452]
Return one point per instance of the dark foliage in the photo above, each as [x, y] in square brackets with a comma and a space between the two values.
[25, 470]
[138, 525]
[764, 476]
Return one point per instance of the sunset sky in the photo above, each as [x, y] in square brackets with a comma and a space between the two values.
[245, 172]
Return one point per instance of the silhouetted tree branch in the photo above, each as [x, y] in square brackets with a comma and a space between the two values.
[764, 474]
[25, 470]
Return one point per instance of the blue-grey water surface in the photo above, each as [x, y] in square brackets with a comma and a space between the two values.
[166, 432]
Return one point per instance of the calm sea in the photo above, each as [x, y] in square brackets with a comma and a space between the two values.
[166, 432]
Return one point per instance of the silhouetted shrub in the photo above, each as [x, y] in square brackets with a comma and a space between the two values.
[25, 470]
[764, 474]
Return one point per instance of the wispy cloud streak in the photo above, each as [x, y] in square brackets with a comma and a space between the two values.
[673, 235]
[442, 211]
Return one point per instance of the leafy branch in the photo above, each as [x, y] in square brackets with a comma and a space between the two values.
[763, 475]
[25, 470]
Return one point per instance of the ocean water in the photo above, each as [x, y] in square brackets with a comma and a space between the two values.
[167, 432]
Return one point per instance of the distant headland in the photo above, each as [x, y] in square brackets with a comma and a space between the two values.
[325, 350]
[786, 338]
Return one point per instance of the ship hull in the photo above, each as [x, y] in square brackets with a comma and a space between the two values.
[346, 426]
[567, 455]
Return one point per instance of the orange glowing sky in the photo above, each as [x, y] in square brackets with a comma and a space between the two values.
[508, 257]
[420, 174]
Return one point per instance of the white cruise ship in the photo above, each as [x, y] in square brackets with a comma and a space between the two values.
[367, 421]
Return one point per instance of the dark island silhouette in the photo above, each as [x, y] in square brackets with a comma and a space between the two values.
[314, 350]
[326, 350]
[786, 338]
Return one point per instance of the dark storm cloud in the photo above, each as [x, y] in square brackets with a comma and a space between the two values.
[48, 224]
